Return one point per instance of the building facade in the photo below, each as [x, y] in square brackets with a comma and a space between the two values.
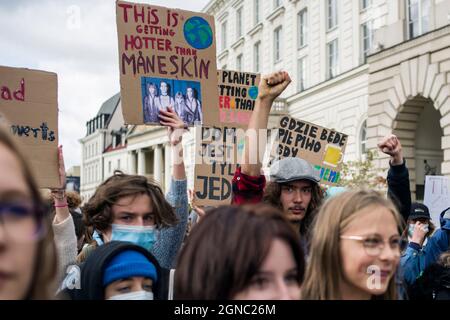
[364, 67]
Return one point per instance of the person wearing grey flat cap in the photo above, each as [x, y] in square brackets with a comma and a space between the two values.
[293, 185]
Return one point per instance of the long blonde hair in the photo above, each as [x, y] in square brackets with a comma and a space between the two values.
[324, 272]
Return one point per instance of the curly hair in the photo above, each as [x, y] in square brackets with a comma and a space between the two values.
[272, 195]
[97, 212]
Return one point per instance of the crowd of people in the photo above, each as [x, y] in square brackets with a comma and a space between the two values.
[282, 239]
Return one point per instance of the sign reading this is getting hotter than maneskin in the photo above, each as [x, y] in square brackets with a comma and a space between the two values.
[167, 57]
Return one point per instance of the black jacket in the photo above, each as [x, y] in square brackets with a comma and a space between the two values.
[398, 188]
[434, 284]
[92, 270]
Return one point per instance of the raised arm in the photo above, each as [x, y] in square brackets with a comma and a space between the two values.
[398, 175]
[166, 249]
[270, 87]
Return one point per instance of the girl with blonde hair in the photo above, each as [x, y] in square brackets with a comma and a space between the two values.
[355, 249]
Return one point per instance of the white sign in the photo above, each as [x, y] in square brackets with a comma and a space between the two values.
[437, 196]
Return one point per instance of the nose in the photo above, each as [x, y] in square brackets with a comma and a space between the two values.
[298, 197]
[282, 292]
[389, 254]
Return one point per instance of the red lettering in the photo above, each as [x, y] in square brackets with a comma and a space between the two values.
[125, 8]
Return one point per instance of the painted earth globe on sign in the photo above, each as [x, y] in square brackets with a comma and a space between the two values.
[253, 92]
[198, 33]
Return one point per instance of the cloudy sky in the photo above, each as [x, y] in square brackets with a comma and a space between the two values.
[77, 39]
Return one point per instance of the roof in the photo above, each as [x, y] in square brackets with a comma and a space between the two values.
[109, 105]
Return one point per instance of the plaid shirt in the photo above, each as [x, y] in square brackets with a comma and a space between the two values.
[247, 189]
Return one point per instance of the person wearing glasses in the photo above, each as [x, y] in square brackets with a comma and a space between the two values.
[355, 249]
[27, 250]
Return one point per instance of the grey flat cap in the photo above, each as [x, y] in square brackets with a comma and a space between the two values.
[291, 169]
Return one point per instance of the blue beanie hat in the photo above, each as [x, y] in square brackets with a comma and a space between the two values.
[127, 264]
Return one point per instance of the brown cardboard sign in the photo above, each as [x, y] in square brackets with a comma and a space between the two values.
[323, 148]
[217, 152]
[29, 106]
[237, 96]
[166, 57]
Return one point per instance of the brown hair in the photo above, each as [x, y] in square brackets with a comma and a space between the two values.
[73, 199]
[42, 285]
[97, 212]
[324, 273]
[272, 196]
[227, 248]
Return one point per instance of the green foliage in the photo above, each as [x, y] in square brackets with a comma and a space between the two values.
[362, 173]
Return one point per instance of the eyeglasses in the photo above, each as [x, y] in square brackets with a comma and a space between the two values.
[21, 221]
[375, 245]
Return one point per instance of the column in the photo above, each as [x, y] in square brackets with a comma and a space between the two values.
[132, 162]
[141, 162]
[158, 165]
[167, 166]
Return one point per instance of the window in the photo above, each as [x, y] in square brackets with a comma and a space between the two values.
[257, 12]
[118, 164]
[366, 40]
[332, 14]
[364, 4]
[418, 13]
[109, 166]
[302, 28]
[332, 59]
[277, 3]
[301, 83]
[224, 35]
[239, 23]
[239, 63]
[363, 138]
[277, 41]
[256, 57]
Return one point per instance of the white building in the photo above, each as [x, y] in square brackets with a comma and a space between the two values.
[325, 44]
[103, 147]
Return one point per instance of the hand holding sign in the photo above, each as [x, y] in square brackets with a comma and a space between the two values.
[199, 210]
[58, 194]
[272, 85]
[175, 126]
[391, 145]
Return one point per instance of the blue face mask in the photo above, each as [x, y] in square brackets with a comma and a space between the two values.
[140, 235]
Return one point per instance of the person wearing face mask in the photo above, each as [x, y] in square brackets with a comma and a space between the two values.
[133, 208]
[118, 271]
[424, 246]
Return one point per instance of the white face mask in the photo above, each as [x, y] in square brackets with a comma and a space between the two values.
[136, 295]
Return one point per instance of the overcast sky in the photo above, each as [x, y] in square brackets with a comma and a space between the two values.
[77, 39]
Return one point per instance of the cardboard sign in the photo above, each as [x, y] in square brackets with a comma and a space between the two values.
[323, 148]
[437, 196]
[29, 107]
[166, 57]
[217, 152]
[237, 95]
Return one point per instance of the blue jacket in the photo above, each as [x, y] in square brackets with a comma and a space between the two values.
[416, 259]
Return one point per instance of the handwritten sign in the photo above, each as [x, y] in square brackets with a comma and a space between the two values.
[323, 148]
[437, 196]
[29, 107]
[237, 96]
[166, 57]
[217, 152]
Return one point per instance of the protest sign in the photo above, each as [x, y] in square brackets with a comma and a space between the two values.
[237, 96]
[166, 57]
[29, 108]
[437, 196]
[218, 150]
[323, 148]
